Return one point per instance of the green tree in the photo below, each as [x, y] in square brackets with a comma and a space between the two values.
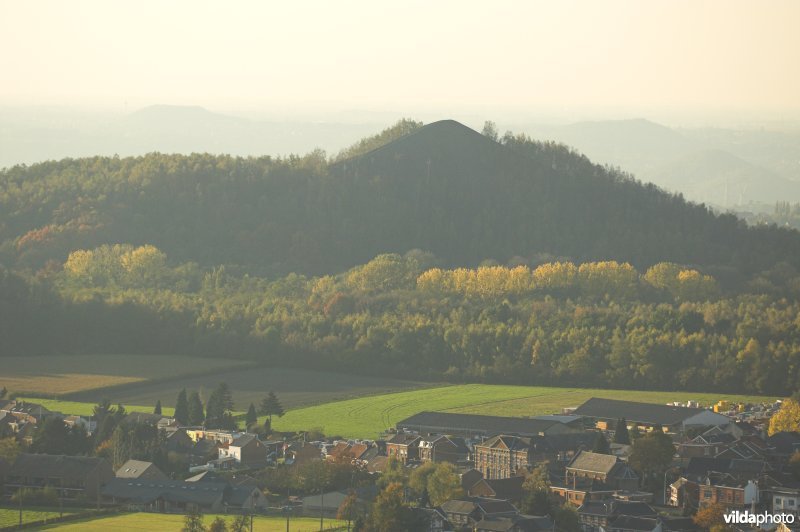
[536, 493]
[490, 130]
[349, 510]
[390, 513]
[621, 432]
[394, 473]
[271, 406]
[194, 410]
[50, 437]
[566, 519]
[601, 445]
[182, 408]
[157, 409]
[219, 407]
[9, 449]
[444, 484]
[652, 454]
[240, 523]
[252, 417]
[418, 481]
[193, 522]
[218, 525]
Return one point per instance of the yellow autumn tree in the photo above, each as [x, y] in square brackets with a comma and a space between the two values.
[555, 275]
[596, 279]
[787, 419]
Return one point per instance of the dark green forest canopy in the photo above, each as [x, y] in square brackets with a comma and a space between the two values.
[443, 188]
[312, 262]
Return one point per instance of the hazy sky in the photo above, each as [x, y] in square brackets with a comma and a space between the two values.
[369, 55]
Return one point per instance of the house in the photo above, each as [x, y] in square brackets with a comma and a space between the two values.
[140, 469]
[598, 515]
[578, 490]
[684, 494]
[603, 467]
[217, 436]
[451, 449]
[697, 469]
[503, 456]
[786, 500]
[726, 489]
[784, 444]
[437, 521]
[473, 425]
[301, 453]
[466, 512]
[88, 424]
[349, 452]
[648, 416]
[508, 489]
[247, 450]
[403, 446]
[70, 476]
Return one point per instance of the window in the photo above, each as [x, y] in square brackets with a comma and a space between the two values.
[790, 501]
[778, 500]
[706, 494]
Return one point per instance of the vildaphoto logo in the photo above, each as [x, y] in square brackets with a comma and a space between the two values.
[747, 517]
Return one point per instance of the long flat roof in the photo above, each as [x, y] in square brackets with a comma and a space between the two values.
[637, 412]
[446, 422]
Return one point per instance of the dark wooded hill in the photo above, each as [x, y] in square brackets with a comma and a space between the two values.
[443, 188]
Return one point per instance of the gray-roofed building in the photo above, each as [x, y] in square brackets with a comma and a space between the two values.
[70, 476]
[329, 503]
[597, 515]
[167, 495]
[674, 418]
[140, 469]
[471, 425]
[603, 467]
[508, 489]
[466, 512]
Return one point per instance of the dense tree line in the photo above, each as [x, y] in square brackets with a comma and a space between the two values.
[602, 323]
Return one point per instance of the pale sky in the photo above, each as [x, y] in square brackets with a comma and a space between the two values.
[227, 55]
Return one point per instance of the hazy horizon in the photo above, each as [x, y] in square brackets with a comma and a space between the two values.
[682, 63]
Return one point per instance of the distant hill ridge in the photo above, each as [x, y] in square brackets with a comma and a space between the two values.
[444, 188]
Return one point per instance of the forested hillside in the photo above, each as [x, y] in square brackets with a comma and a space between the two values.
[443, 188]
[369, 263]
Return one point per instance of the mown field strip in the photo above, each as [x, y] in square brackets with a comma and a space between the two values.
[367, 417]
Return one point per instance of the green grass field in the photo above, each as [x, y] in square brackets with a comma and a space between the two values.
[85, 409]
[10, 516]
[366, 417]
[173, 523]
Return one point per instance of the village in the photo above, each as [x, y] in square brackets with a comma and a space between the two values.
[610, 465]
